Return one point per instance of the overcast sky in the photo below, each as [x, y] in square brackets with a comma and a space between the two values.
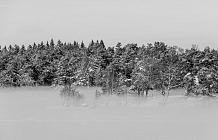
[175, 22]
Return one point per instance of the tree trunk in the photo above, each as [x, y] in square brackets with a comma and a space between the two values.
[167, 94]
[107, 83]
[143, 93]
[126, 93]
[146, 91]
[163, 91]
[112, 81]
[138, 92]
[88, 81]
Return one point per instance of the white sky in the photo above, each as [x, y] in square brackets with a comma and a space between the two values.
[175, 22]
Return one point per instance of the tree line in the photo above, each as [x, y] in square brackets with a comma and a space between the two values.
[141, 68]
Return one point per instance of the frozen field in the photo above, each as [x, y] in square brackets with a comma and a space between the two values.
[38, 114]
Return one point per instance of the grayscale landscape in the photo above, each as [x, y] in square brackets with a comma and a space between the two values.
[39, 114]
[108, 70]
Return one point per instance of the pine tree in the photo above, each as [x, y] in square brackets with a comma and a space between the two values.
[52, 43]
[102, 44]
[82, 46]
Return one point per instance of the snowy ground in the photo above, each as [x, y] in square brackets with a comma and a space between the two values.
[38, 114]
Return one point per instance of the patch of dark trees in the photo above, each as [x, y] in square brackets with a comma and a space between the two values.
[116, 69]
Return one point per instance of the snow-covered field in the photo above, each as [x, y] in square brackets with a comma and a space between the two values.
[38, 114]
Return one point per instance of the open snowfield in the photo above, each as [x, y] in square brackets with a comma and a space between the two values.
[39, 114]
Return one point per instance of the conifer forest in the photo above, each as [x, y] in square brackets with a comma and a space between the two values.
[117, 70]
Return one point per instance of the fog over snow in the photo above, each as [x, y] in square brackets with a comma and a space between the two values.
[39, 114]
